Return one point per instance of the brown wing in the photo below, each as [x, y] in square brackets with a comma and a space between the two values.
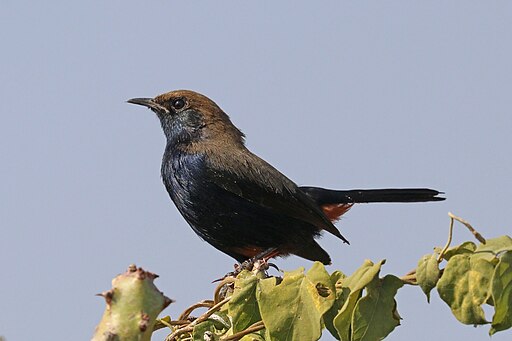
[254, 180]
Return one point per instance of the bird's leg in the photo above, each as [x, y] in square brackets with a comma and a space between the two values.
[272, 265]
[260, 262]
[263, 256]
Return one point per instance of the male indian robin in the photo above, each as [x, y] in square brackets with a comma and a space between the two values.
[236, 201]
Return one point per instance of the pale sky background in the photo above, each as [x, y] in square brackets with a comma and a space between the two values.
[335, 94]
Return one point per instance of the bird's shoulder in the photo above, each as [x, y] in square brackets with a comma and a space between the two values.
[243, 168]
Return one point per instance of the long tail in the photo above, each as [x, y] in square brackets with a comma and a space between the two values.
[336, 203]
[328, 196]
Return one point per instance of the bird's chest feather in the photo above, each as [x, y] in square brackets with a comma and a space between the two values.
[183, 176]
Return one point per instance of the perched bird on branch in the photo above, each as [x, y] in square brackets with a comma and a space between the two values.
[236, 201]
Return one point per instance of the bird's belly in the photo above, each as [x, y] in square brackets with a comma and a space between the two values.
[224, 220]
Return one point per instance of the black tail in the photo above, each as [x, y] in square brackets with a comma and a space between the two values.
[324, 196]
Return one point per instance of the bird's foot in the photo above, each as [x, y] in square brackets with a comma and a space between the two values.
[258, 265]
[246, 265]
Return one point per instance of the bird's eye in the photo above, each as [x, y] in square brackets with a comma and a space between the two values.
[178, 103]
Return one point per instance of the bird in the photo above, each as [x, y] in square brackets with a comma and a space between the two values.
[236, 201]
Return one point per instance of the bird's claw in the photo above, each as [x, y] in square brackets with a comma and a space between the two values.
[272, 265]
[254, 265]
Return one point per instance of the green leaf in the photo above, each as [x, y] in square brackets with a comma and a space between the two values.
[324, 292]
[221, 320]
[427, 273]
[341, 296]
[204, 329]
[354, 284]
[375, 315]
[362, 276]
[465, 286]
[343, 321]
[253, 337]
[502, 294]
[466, 247]
[215, 327]
[293, 309]
[488, 256]
[496, 245]
[243, 307]
[163, 322]
[336, 277]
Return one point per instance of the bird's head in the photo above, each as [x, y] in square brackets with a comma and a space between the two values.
[188, 117]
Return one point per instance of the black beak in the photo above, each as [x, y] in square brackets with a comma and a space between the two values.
[149, 103]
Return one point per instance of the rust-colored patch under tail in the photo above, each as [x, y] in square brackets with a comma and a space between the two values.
[253, 251]
[335, 211]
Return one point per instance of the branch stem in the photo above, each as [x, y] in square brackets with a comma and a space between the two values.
[450, 236]
[253, 328]
[190, 327]
[203, 304]
[471, 229]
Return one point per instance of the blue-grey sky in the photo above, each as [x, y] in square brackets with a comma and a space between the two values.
[334, 94]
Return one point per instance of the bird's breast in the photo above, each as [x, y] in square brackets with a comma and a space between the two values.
[182, 174]
[199, 201]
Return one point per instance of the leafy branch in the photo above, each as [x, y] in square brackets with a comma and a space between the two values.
[362, 306]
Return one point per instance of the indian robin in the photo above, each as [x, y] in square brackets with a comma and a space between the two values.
[235, 200]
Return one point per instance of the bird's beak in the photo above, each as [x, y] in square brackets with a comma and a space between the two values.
[150, 103]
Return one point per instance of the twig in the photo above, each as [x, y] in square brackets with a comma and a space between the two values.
[216, 295]
[412, 272]
[210, 311]
[237, 336]
[450, 235]
[477, 235]
[203, 304]
[178, 332]
[202, 318]
[410, 279]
